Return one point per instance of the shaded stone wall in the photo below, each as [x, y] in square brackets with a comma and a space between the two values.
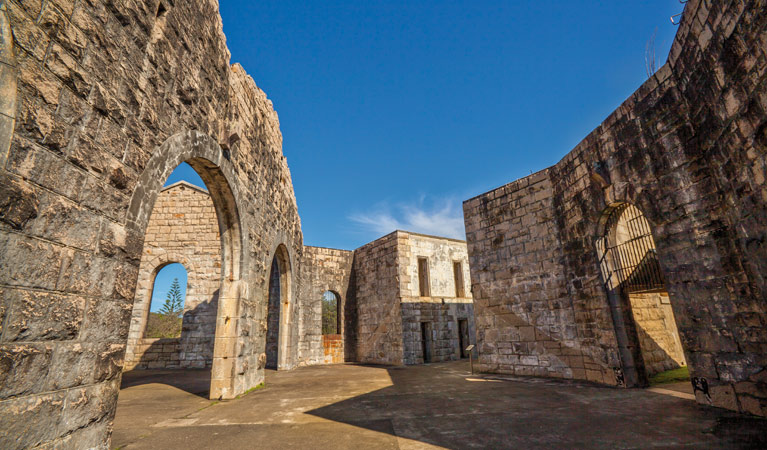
[182, 229]
[108, 94]
[525, 319]
[323, 269]
[689, 150]
[155, 353]
[442, 309]
[378, 334]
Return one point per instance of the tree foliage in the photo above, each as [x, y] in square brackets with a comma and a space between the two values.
[166, 323]
[174, 304]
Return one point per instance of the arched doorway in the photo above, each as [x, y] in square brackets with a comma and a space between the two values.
[646, 329]
[332, 328]
[206, 158]
[278, 310]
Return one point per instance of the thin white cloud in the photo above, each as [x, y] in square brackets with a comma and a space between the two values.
[439, 218]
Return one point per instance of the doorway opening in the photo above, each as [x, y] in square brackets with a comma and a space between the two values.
[278, 310]
[426, 345]
[186, 212]
[332, 336]
[645, 326]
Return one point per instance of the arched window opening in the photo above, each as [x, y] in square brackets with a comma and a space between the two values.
[330, 315]
[644, 321]
[167, 306]
[628, 257]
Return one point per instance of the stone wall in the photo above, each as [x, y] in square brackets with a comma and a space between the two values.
[323, 269]
[442, 309]
[525, 319]
[182, 229]
[332, 349]
[111, 97]
[378, 334]
[156, 353]
[388, 304]
[689, 149]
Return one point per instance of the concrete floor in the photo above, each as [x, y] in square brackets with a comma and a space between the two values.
[431, 406]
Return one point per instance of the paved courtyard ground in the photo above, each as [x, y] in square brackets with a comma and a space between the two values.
[430, 406]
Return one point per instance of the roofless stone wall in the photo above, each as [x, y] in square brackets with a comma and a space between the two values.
[182, 229]
[111, 97]
[377, 335]
[689, 149]
[393, 316]
[323, 269]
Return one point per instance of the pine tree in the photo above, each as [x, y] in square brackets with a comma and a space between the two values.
[174, 304]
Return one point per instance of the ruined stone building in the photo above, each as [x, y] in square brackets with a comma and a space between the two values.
[402, 299]
[645, 247]
[411, 300]
[102, 100]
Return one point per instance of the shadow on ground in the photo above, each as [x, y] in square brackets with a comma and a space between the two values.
[443, 406]
[429, 406]
[193, 381]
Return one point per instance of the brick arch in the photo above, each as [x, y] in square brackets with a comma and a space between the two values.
[7, 84]
[208, 159]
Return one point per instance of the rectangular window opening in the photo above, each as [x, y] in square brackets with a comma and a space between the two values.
[423, 277]
[460, 291]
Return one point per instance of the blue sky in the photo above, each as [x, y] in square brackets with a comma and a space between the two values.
[394, 112]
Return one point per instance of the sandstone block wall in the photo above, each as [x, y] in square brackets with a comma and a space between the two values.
[378, 334]
[525, 318]
[156, 353]
[442, 308]
[110, 98]
[332, 349]
[656, 328]
[689, 149]
[182, 229]
[390, 309]
[323, 269]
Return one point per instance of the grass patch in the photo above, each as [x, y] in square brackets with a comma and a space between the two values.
[255, 388]
[671, 376]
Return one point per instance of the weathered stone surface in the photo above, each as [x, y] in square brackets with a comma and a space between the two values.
[42, 316]
[687, 149]
[323, 269]
[106, 101]
[390, 310]
[18, 202]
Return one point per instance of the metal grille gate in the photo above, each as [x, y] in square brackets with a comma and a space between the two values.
[627, 254]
